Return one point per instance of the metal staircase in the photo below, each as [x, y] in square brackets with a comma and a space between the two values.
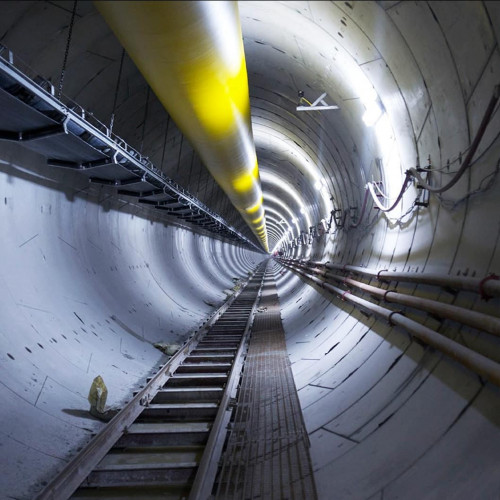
[166, 443]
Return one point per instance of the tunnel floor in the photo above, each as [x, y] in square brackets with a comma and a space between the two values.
[183, 442]
[267, 454]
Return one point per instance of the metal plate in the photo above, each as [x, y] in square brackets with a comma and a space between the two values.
[17, 116]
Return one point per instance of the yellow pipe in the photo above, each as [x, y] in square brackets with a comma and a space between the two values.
[192, 56]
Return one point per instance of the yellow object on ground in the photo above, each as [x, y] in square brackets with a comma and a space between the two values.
[98, 394]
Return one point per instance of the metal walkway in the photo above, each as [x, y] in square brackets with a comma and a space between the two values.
[166, 443]
[231, 386]
[69, 137]
[267, 454]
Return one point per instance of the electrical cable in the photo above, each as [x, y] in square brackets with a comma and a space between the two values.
[466, 163]
[363, 208]
[452, 205]
[372, 187]
[404, 187]
[117, 88]
[66, 52]
[399, 220]
[376, 185]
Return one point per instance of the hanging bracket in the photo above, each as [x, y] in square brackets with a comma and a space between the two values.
[318, 105]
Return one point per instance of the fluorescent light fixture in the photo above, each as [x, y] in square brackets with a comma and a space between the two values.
[278, 213]
[268, 197]
[274, 140]
[282, 185]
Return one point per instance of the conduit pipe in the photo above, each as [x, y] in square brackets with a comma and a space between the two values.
[488, 286]
[476, 362]
[475, 319]
[192, 56]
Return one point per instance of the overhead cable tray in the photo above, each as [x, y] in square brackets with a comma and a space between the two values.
[71, 138]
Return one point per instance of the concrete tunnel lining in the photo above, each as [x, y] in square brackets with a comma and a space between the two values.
[88, 281]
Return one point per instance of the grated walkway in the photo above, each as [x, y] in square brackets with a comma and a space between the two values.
[267, 453]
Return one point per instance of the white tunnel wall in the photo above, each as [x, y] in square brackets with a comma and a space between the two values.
[387, 416]
[85, 291]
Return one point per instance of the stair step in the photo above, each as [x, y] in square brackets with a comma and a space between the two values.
[204, 367]
[218, 343]
[196, 379]
[169, 427]
[200, 358]
[169, 474]
[188, 394]
[186, 406]
[220, 338]
[158, 492]
[223, 336]
[165, 434]
[209, 350]
[180, 411]
[145, 458]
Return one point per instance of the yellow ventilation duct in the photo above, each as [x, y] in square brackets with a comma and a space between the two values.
[191, 54]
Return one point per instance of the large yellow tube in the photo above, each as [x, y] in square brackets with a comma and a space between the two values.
[191, 54]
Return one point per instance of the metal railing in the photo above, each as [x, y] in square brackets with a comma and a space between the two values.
[44, 89]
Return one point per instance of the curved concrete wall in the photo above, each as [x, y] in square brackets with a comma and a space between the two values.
[87, 289]
[388, 417]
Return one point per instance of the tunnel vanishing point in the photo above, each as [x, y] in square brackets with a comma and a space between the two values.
[171, 172]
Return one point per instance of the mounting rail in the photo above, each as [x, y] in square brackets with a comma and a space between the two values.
[69, 137]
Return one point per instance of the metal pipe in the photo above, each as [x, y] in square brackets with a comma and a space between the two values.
[475, 319]
[489, 286]
[192, 56]
[478, 363]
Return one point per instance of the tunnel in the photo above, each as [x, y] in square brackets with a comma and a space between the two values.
[376, 131]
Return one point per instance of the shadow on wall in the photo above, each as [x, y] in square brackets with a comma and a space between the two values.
[74, 186]
[427, 360]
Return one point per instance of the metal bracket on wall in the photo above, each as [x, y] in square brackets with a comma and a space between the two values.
[318, 105]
